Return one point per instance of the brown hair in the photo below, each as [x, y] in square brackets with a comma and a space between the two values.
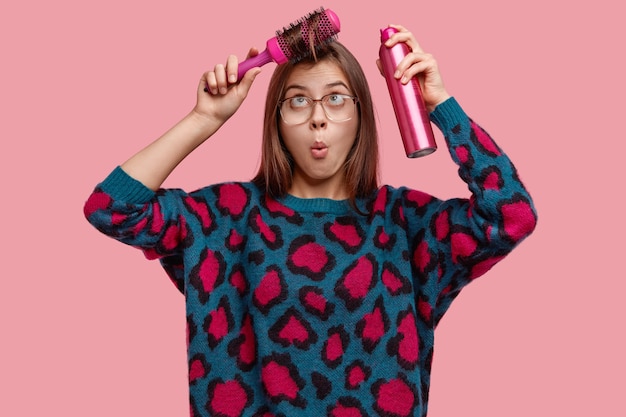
[361, 166]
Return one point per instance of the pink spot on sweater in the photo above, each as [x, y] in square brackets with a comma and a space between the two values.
[219, 324]
[269, 288]
[374, 327]
[383, 238]
[118, 218]
[141, 224]
[265, 230]
[442, 225]
[201, 210]
[488, 231]
[233, 198]
[380, 202]
[196, 370]
[170, 239]
[294, 331]
[209, 272]
[419, 198]
[247, 350]
[356, 376]
[345, 411]
[425, 309]
[238, 281]
[96, 201]
[315, 301]
[275, 207]
[462, 245]
[359, 279]
[492, 181]
[484, 266]
[519, 220]
[334, 347]
[235, 239]
[396, 397]
[347, 233]
[484, 139]
[391, 281]
[462, 153]
[421, 256]
[311, 256]
[157, 219]
[278, 381]
[409, 345]
[229, 399]
[150, 253]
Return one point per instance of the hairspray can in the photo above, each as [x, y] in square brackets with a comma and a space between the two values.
[408, 104]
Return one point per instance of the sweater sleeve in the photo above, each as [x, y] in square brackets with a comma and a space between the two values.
[469, 235]
[126, 210]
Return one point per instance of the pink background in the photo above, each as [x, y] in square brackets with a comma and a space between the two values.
[90, 328]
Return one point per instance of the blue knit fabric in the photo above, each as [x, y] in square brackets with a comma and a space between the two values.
[303, 307]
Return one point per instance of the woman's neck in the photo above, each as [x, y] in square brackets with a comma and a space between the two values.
[332, 188]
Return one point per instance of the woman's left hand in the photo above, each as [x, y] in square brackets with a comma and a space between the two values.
[418, 63]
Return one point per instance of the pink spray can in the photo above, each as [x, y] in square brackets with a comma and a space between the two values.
[408, 104]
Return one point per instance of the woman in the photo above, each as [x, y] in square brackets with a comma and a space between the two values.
[312, 290]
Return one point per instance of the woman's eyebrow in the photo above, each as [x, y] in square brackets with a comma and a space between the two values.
[329, 85]
[336, 84]
[295, 87]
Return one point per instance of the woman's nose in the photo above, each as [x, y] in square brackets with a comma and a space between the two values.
[318, 115]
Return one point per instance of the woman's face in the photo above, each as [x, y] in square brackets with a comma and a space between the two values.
[319, 146]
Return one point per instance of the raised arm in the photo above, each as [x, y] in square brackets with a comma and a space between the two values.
[460, 239]
[218, 98]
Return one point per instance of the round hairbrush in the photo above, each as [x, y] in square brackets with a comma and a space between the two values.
[297, 41]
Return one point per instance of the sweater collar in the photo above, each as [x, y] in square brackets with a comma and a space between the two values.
[316, 205]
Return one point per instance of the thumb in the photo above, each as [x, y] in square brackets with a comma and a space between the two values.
[248, 79]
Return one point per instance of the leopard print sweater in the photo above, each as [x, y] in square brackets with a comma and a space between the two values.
[304, 307]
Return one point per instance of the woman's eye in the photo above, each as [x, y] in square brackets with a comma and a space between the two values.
[299, 102]
[336, 99]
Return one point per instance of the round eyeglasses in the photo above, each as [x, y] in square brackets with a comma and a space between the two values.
[298, 109]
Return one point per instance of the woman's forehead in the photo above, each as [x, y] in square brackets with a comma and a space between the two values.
[322, 75]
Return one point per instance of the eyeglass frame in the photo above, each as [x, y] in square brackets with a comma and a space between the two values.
[313, 101]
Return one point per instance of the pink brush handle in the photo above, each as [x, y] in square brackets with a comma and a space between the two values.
[272, 53]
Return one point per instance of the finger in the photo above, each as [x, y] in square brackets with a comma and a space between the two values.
[220, 78]
[248, 79]
[231, 68]
[252, 52]
[399, 28]
[404, 35]
[211, 82]
[414, 71]
[408, 39]
[414, 63]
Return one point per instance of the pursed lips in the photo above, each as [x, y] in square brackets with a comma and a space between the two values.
[319, 150]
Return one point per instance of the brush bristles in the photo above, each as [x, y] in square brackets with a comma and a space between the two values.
[307, 35]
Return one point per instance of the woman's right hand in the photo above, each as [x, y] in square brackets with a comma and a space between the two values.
[152, 164]
[219, 94]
